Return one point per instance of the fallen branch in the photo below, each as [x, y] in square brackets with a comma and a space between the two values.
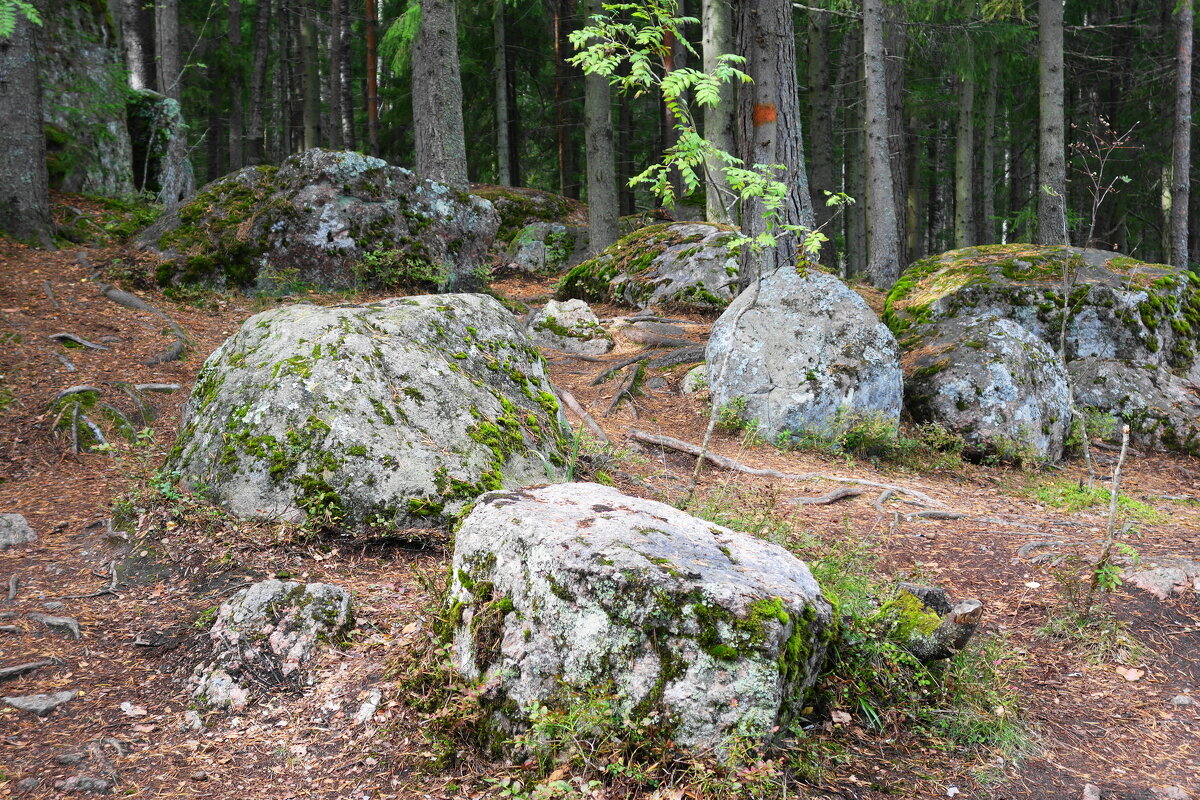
[80, 389]
[70, 337]
[14, 583]
[878, 502]
[844, 493]
[626, 388]
[570, 402]
[48, 288]
[735, 466]
[8, 673]
[651, 339]
[123, 298]
[685, 355]
[157, 387]
[66, 362]
[620, 365]
[172, 353]
[934, 514]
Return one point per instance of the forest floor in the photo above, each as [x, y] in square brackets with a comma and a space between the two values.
[1106, 720]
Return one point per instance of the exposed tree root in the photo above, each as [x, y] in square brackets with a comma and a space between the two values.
[570, 402]
[70, 337]
[172, 353]
[844, 493]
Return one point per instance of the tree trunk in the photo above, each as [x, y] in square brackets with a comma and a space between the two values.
[769, 114]
[895, 45]
[236, 82]
[603, 228]
[1052, 171]
[372, 26]
[624, 157]
[346, 77]
[258, 78]
[719, 120]
[914, 246]
[883, 238]
[312, 79]
[336, 139]
[986, 227]
[437, 97]
[24, 186]
[1181, 169]
[514, 121]
[137, 28]
[964, 150]
[850, 72]
[503, 156]
[567, 185]
[166, 47]
[820, 129]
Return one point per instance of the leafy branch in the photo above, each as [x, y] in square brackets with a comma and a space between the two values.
[9, 9]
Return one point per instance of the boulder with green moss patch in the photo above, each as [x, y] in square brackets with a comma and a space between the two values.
[1162, 409]
[329, 219]
[991, 381]
[371, 418]
[545, 248]
[806, 354]
[569, 327]
[684, 265]
[265, 636]
[519, 206]
[575, 592]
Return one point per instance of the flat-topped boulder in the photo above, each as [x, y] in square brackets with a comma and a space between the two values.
[570, 327]
[389, 416]
[574, 591]
[519, 206]
[685, 265]
[332, 219]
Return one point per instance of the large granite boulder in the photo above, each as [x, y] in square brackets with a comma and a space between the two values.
[1162, 409]
[545, 248]
[576, 591]
[806, 354]
[265, 636]
[392, 415]
[569, 327]
[1119, 308]
[332, 219]
[683, 264]
[991, 381]
[519, 206]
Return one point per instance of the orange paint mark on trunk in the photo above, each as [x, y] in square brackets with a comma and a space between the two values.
[764, 113]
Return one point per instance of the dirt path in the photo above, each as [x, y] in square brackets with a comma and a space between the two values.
[130, 724]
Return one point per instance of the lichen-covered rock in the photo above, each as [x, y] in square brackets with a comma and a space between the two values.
[82, 70]
[1162, 409]
[683, 264]
[331, 219]
[569, 327]
[371, 417]
[518, 206]
[991, 381]
[577, 591]
[696, 380]
[1120, 308]
[265, 635]
[545, 248]
[15, 530]
[807, 355]
[160, 148]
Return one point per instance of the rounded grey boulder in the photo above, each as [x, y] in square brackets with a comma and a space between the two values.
[570, 327]
[575, 593]
[807, 355]
[392, 415]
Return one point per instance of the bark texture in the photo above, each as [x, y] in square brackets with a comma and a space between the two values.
[1181, 167]
[166, 47]
[24, 193]
[964, 151]
[503, 156]
[236, 84]
[437, 97]
[137, 30]
[601, 161]
[883, 233]
[255, 145]
[719, 120]
[1052, 168]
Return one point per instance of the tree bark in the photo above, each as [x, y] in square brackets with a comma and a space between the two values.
[820, 129]
[986, 227]
[603, 211]
[24, 186]
[236, 84]
[850, 73]
[137, 28]
[312, 79]
[769, 115]
[336, 140]
[503, 156]
[437, 97]
[883, 238]
[1052, 170]
[346, 76]
[372, 26]
[560, 27]
[258, 78]
[895, 44]
[719, 120]
[166, 47]
[1182, 167]
[964, 151]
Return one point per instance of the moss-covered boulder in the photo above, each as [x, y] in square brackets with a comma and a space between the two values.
[519, 206]
[992, 381]
[545, 248]
[371, 418]
[1119, 308]
[577, 596]
[160, 148]
[683, 264]
[1162, 409]
[804, 355]
[331, 219]
[569, 327]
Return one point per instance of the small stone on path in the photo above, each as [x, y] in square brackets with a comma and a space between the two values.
[67, 625]
[14, 530]
[85, 784]
[40, 704]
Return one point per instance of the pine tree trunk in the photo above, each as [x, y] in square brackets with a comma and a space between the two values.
[1182, 167]
[567, 183]
[312, 79]
[986, 228]
[255, 144]
[437, 97]
[236, 83]
[1052, 170]
[883, 239]
[820, 129]
[769, 115]
[166, 47]
[964, 150]
[624, 162]
[912, 201]
[895, 45]
[137, 28]
[346, 77]
[24, 187]
[372, 26]
[336, 140]
[295, 51]
[503, 156]
[719, 120]
[853, 144]
[514, 121]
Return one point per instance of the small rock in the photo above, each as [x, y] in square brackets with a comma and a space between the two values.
[570, 327]
[40, 704]
[28, 784]
[67, 625]
[696, 380]
[14, 530]
[1181, 700]
[53, 605]
[1169, 793]
[199, 775]
[191, 720]
[1091, 791]
[85, 784]
[368, 708]
[68, 758]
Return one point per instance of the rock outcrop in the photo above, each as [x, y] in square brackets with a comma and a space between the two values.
[519, 206]
[569, 327]
[332, 219]
[806, 355]
[392, 415]
[992, 381]
[683, 264]
[266, 635]
[158, 135]
[15, 530]
[1162, 409]
[545, 248]
[576, 592]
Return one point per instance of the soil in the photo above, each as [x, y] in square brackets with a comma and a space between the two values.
[143, 632]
